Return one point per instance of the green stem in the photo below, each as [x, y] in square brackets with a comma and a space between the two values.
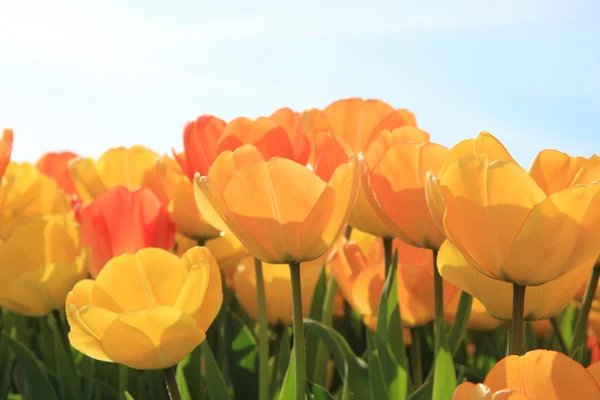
[347, 231]
[263, 334]
[438, 289]
[171, 382]
[320, 376]
[62, 331]
[415, 357]
[584, 312]
[558, 335]
[387, 254]
[516, 324]
[298, 331]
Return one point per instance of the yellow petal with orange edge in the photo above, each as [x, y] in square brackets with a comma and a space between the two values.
[589, 172]
[364, 217]
[155, 338]
[366, 290]
[486, 205]
[86, 179]
[202, 293]
[558, 235]
[435, 200]
[543, 374]
[149, 277]
[484, 143]
[346, 264]
[554, 170]
[186, 215]
[228, 162]
[328, 218]
[544, 301]
[127, 167]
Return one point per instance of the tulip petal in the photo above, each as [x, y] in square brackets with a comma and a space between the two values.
[589, 172]
[202, 293]
[560, 234]
[86, 179]
[228, 162]
[486, 205]
[594, 370]
[367, 288]
[543, 374]
[330, 152]
[346, 264]
[156, 338]
[187, 216]
[125, 166]
[200, 139]
[554, 170]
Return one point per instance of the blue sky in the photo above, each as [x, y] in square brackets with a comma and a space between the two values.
[86, 76]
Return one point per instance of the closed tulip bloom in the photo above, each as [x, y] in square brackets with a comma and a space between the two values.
[56, 166]
[503, 223]
[146, 310]
[479, 318]
[293, 124]
[176, 190]
[554, 170]
[41, 261]
[360, 274]
[5, 149]
[471, 391]
[270, 138]
[228, 252]
[26, 193]
[541, 302]
[278, 209]
[130, 167]
[594, 370]
[200, 138]
[393, 182]
[122, 222]
[537, 375]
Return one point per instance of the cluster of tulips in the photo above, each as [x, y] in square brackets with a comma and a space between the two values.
[335, 253]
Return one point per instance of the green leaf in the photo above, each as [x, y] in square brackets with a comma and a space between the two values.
[322, 361]
[567, 325]
[70, 383]
[352, 368]
[376, 382]
[182, 384]
[461, 321]
[7, 361]
[316, 312]
[424, 392]
[128, 396]
[283, 361]
[317, 392]
[242, 358]
[390, 338]
[288, 387]
[215, 382]
[190, 367]
[444, 378]
[36, 382]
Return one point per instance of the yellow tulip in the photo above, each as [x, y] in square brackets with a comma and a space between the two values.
[130, 167]
[148, 310]
[479, 318]
[176, 190]
[41, 261]
[541, 302]
[278, 209]
[27, 193]
[503, 223]
[6, 144]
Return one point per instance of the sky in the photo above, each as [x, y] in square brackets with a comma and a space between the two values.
[87, 76]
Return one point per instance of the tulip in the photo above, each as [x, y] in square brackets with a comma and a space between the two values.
[146, 310]
[292, 122]
[479, 318]
[122, 222]
[55, 165]
[357, 121]
[393, 183]
[200, 138]
[26, 193]
[539, 374]
[41, 261]
[594, 370]
[119, 166]
[5, 149]
[360, 274]
[541, 302]
[270, 138]
[175, 190]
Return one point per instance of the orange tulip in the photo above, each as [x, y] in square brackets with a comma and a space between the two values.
[393, 183]
[503, 223]
[130, 167]
[56, 166]
[270, 138]
[479, 318]
[5, 149]
[539, 374]
[359, 270]
[594, 370]
[293, 124]
[278, 209]
[200, 138]
[123, 222]
[357, 121]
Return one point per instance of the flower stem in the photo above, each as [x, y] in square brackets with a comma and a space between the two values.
[516, 324]
[584, 312]
[298, 331]
[62, 331]
[171, 382]
[387, 254]
[438, 289]
[415, 357]
[263, 334]
[558, 335]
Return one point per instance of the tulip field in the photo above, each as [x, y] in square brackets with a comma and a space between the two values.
[334, 253]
